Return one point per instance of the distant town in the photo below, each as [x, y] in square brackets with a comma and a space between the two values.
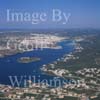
[15, 44]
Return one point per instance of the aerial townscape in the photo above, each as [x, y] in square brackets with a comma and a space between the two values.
[75, 74]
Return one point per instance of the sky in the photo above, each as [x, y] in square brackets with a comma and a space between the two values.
[83, 13]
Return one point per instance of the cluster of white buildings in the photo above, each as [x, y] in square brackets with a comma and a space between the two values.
[33, 92]
[69, 57]
[89, 72]
[59, 72]
[34, 42]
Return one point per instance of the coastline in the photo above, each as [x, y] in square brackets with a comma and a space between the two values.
[58, 68]
[70, 56]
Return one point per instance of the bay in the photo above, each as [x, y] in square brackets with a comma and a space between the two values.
[10, 67]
